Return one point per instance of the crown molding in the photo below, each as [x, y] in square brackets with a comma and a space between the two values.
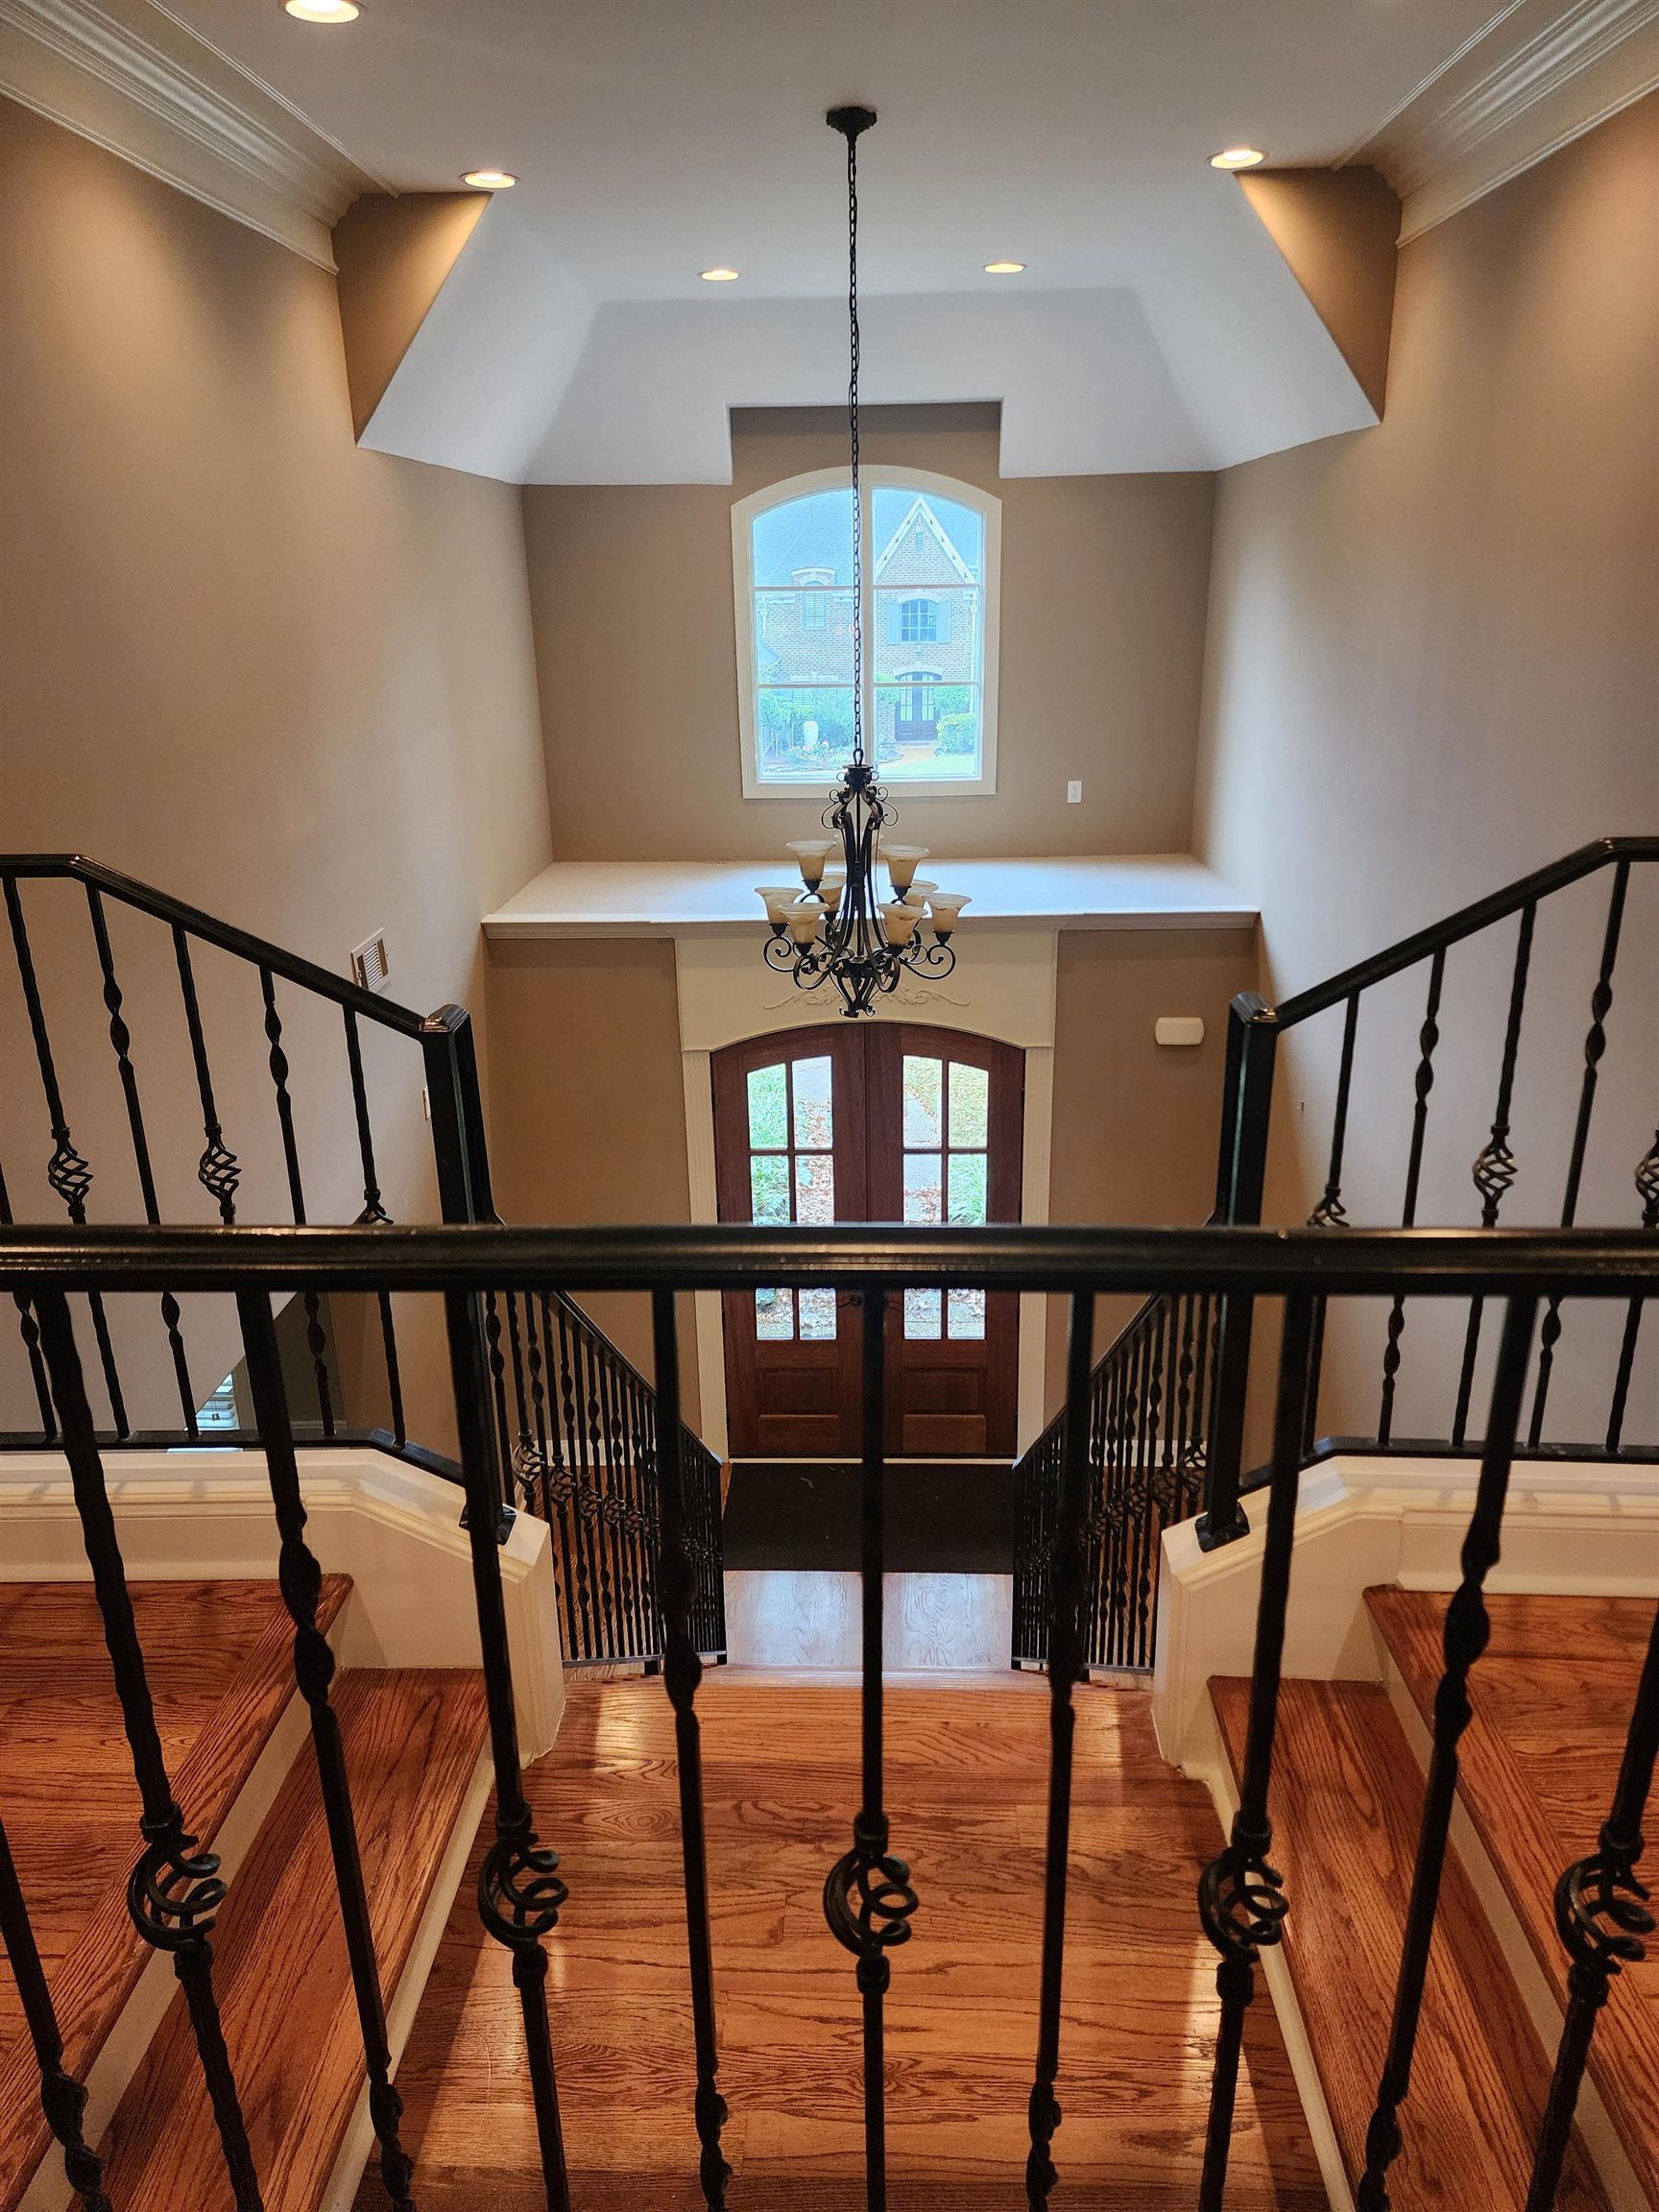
[127, 75]
[1539, 75]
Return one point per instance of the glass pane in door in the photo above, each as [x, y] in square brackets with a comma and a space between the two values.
[792, 1178]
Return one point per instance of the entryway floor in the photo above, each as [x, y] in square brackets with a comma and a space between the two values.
[952, 1622]
[943, 1516]
[968, 1771]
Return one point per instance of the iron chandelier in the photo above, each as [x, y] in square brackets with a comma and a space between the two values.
[833, 926]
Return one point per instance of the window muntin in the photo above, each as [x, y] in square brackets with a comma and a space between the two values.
[947, 1131]
[792, 1178]
[930, 562]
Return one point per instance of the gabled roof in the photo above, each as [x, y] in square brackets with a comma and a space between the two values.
[921, 512]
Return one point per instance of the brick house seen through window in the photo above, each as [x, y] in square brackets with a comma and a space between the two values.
[930, 548]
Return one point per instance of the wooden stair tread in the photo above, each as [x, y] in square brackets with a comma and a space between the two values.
[412, 1740]
[1346, 1803]
[1552, 1695]
[219, 1660]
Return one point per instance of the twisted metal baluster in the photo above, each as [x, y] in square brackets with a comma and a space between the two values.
[62, 2099]
[1647, 1191]
[217, 1170]
[682, 1671]
[1494, 1169]
[173, 1892]
[300, 1578]
[1595, 1046]
[1427, 1037]
[1464, 1637]
[1241, 1898]
[121, 1039]
[519, 1892]
[68, 1172]
[560, 1489]
[1065, 1668]
[581, 1493]
[30, 1336]
[1330, 1212]
[276, 1059]
[375, 1212]
[1602, 1914]
[868, 1900]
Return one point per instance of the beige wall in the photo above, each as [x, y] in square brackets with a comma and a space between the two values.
[1433, 664]
[285, 680]
[587, 1107]
[1136, 1123]
[1103, 587]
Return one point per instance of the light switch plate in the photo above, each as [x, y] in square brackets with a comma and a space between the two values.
[1074, 792]
[1179, 1029]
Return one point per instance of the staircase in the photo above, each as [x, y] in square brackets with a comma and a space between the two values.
[219, 1666]
[1538, 1763]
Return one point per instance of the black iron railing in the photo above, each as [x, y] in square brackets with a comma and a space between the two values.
[869, 1896]
[144, 1015]
[1152, 1466]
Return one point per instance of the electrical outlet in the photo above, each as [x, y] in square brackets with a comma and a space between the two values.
[1074, 793]
[370, 966]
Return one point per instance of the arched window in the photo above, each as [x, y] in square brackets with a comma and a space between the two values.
[931, 555]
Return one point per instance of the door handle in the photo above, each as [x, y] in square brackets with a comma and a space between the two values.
[855, 1297]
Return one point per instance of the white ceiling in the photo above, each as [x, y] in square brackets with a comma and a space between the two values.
[1156, 328]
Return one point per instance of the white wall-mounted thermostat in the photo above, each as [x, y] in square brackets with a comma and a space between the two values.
[1179, 1029]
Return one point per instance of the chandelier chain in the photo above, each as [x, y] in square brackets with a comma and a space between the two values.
[852, 444]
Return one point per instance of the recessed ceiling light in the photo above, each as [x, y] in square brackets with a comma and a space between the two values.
[719, 275]
[1238, 157]
[1004, 268]
[490, 179]
[322, 10]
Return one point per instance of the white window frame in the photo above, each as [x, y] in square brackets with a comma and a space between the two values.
[990, 510]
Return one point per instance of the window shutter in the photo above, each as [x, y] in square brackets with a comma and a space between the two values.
[941, 621]
[894, 619]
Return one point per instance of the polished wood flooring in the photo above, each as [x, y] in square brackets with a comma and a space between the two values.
[1347, 1800]
[220, 1667]
[1552, 1695]
[412, 1742]
[967, 1767]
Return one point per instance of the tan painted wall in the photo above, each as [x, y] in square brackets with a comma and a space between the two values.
[283, 678]
[587, 1116]
[1136, 1123]
[1103, 590]
[392, 252]
[1433, 664]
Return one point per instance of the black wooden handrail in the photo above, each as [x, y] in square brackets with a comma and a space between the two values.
[575, 1422]
[145, 899]
[1440, 936]
[1266, 1262]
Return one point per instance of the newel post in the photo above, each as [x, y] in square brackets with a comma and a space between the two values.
[462, 1160]
[1242, 1169]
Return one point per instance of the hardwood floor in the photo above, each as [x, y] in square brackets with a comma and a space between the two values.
[280, 1973]
[1346, 1801]
[220, 1667]
[968, 1770]
[1552, 1695]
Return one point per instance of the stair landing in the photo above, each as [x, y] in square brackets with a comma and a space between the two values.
[1552, 1695]
[968, 1771]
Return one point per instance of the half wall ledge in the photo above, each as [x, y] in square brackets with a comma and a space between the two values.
[693, 899]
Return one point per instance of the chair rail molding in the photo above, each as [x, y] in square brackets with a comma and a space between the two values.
[1539, 75]
[132, 78]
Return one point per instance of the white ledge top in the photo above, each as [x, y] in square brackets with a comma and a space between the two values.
[699, 898]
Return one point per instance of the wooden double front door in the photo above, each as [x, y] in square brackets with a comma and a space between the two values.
[878, 1121]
